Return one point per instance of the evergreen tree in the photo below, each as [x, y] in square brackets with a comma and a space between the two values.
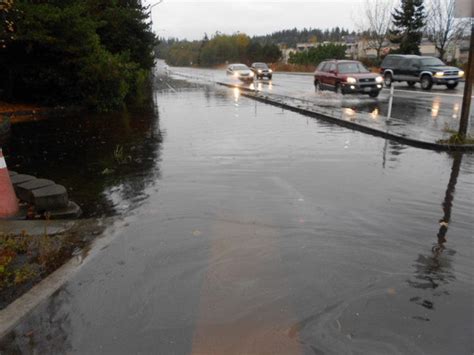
[409, 21]
[94, 53]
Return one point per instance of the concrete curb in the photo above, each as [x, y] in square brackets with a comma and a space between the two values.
[355, 126]
[294, 73]
[16, 311]
[36, 227]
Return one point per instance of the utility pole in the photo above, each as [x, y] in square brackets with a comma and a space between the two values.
[463, 9]
[466, 103]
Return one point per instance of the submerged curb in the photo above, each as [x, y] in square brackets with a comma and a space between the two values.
[14, 313]
[250, 93]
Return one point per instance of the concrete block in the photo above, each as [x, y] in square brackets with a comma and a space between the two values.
[23, 191]
[50, 198]
[72, 211]
[21, 179]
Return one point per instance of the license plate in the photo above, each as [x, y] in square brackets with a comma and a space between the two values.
[451, 82]
[367, 89]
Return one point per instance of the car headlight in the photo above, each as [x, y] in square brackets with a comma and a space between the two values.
[271, 71]
[461, 73]
[252, 74]
[439, 74]
[379, 79]
[351, 80]
[260, 70]
[236, 74]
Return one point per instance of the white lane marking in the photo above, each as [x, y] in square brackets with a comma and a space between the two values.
[172, 88]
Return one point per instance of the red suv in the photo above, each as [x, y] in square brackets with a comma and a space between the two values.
[347, 77]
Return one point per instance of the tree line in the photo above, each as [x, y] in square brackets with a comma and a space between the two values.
[219, 49]
[292, 37]
[315, 55]
[94, 53]
[408, 23]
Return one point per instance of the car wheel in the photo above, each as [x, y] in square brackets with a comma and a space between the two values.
[269, 77]
[411, 83]
[388, 80]
[337, 88]
[426, 82]
[317, 86]
[374, 93]
[451, 86]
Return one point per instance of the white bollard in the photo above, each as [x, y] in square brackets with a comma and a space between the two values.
[390, 102]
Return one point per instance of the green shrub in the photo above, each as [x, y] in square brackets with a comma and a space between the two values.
[76, 52]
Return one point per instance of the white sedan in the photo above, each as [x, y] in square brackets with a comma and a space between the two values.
[240, 71]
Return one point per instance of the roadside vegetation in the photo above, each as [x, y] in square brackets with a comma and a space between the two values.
[217, 50]
[318, 54]
[93, 53]
[26, 259]
[456, 138]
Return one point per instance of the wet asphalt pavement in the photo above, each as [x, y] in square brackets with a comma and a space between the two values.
[256, 231]
[417, 114]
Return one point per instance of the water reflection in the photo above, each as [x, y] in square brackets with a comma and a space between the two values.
[435, 108]
[448, 203]
[92, 155]
[375, 114]
[435, 270]
[236, 94]
[394, 150]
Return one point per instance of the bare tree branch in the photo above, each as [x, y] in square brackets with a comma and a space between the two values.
[442, 28]
[377, 18]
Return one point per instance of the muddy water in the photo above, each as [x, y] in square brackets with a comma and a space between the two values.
[260, 231]
[105, 160]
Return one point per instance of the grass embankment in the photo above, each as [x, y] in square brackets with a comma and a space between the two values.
[26, 259]
[455, 138]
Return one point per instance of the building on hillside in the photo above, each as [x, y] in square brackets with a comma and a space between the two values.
[303, 47]
[285, 52]
[428, 48]
[464, 50]
[352, 47]
[359, 48]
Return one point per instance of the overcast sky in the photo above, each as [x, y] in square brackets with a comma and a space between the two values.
[192, 18]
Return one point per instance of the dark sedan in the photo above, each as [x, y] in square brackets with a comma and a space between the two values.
[261, 70]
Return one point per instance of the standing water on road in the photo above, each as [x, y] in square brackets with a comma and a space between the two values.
[259, 231]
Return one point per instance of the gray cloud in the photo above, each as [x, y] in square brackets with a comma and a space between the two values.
[191, 19]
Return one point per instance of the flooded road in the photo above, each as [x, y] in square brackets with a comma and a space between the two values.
[416, 113]
[257, 231]
[105, 160]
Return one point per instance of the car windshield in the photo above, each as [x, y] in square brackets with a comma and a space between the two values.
[240, 67]
[432, 62]
[260, 66]
[346, 68]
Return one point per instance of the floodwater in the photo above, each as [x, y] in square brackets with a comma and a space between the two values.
[255, 231]
[106, 161]
[418, 114]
